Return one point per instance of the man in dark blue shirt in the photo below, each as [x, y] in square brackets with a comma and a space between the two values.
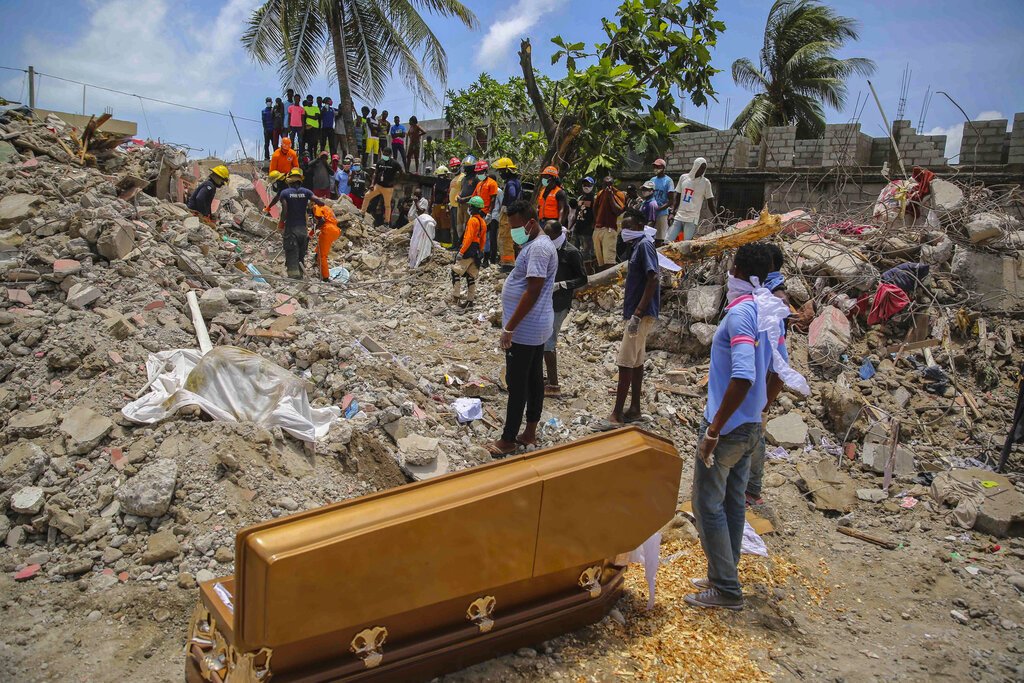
[268, 128]
[327, 114]
[295, 201]
[201, 200]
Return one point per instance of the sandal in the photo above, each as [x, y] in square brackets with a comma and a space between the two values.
[604, 425]
[497, 452]
[632, 420]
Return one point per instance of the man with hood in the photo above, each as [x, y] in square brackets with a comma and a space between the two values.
[692, 190]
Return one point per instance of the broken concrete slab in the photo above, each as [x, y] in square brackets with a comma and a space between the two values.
[149, 493]
[875, 454]
[14, 208]
[997, 510]
[995, 280]
[703, 333]
[64, 267]
[116, 241]
[828, 338]
[945, 195]
[32, 424]
[84, 429]
[829, 488]
[872, 495]
[703, 303]
[787, 431]
[28, 500]
[81, 295]
[989, 225]
[213, 302]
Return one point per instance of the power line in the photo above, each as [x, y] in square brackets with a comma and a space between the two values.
[131, 94]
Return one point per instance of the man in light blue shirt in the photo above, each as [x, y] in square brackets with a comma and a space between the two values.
[663, 187]
[527, 319]
[740, 387]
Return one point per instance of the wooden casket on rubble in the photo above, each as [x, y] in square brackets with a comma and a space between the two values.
[423, 579]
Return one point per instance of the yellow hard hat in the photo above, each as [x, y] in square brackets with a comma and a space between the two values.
[221, 171]
[504, 162]
[275, 176]
[295, 173]
[442, 170]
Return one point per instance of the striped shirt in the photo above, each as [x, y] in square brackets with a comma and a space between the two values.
[738, 351]
[538, 258]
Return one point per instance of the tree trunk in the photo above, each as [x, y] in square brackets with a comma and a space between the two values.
[345, 109]
[533, 90]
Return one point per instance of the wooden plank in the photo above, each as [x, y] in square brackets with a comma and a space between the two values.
[912, 346]
[847, 531]
[269, 334]
[679, 391]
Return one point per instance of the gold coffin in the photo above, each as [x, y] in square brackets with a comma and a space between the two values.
[431, 577]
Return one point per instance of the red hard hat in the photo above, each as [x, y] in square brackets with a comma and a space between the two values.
[551, 171]
[481, 165]
[454, 161]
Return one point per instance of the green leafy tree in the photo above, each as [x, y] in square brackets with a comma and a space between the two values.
[361, 43]
[799, 73]
[623, 100]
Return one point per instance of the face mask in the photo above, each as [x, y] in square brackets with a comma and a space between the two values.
[559, 241]
[545, 182]
[737, 288]
[384, 158]
[520, 236]
[357, 168]
[481, 176]
[587, 189]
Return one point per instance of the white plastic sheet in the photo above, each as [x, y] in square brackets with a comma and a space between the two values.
[468, 409]
[233, 385]
[752, 543]
[647, 554]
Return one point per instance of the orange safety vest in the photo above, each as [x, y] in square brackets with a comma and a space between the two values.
[547, 203]
[476, 231]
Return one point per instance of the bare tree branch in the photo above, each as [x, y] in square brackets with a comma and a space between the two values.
[526, 62]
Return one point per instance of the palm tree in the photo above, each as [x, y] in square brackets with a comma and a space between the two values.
[361, 42]
[798, 73]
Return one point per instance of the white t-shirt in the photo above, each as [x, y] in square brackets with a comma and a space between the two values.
[692, 194]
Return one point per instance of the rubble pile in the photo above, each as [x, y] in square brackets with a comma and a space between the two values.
[96, 260]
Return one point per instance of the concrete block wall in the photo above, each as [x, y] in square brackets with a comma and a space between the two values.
[879, 151]
[1016, 151]
[983, 142]
[845, 145]
[920, 150]
[781, 146]
[711, 145]
[808, 152]
[808, 193]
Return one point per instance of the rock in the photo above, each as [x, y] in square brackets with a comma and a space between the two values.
[828, 338]
[872, 495]
[945, 195]
[97, 530]
[204, 575]
[149, 493]
[421, 457]
[401, 428]
[224, 555]
[842, 407]
[116, 241]
[117, 325]
[24, 463]
[15, 537]
[937, 251]
[111, 555]
[186, 581]
[28, 500]
[81, 295]
[990, 225]
[242, 296]
[901, 396]
[161, 546]
[874, 455]
[704, 333]
[1000, 511]
[703, 303]
[14, 208]
[959, 616]
[69, 524]
[995, 279]
[829, 488]
[65, 267]
[81, 565]
[84, 429]
[287, 503]
[788, 431]
[839, 262]
[30, 424]
[1017, 581]
[370, 261]
[213, 302]
[230, 321]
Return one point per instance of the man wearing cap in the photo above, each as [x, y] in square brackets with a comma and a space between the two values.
[341, 178]
[582, 226]
[512, 192]
[552, 203]
[327, 116]
[693, 190]
[608, 206]
[268, 128]
[294, 201]
[439, 206]
[201, 200]
[663, 186]
[383, 184]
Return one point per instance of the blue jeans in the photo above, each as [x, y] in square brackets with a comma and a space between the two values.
[756, 470]
[719, 506]
[688, 229]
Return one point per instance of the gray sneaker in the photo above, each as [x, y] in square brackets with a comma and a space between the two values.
[712, 598]
[701, 584]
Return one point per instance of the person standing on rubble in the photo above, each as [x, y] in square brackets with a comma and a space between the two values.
[649, 206]
[609, 204]
[383, 183]
[582, 226]
[487, 189]
[466, 189]
[201, 200]
[416, 133]
[527, 321]
[284, 158]
[742, 383]
[640, 308]
[319, 175]
[341, 178]
[357, 179]
[439, 206]
[327, 231]
[327, 117]
[397, 133]
[663, 187]
[311, 130]
[569, 276]
[294, 202]
[692, 190]
[513, 192]
[467, 261]
[296, 115]
[552, 202]
[454, 190]
[267, 116]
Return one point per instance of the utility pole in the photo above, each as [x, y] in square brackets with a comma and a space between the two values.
[32, 87]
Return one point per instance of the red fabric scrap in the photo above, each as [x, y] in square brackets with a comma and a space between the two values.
[889, 300]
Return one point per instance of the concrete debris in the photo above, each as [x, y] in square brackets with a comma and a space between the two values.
[28, 501]
[84, 429]
[987, 226]
[828, 338]
[81, 295]
[149, 493]
[703, 303]
[160, 547]
[15, 208]
[788, 431]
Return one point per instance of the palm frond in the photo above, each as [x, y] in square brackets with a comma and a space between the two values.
[746, 75]
[262, 36]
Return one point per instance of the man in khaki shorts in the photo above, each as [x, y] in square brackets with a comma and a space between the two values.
[608, 205]
[640, 309]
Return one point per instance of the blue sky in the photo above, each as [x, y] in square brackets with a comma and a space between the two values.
[188, 52]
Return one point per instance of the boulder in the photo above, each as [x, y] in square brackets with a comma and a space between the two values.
[116, 240]
[213, 302]
[990, 225]
[14, 208]
[31, 424]
[162, 546]
[828, 338]
[28, 500]
[788, 431]
[703, 303]
[81, 295]
[84, 429]
[149, 493]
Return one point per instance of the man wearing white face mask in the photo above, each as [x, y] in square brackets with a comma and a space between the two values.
[527, 321]
[692, 190]
[748, 368]
[640, 307]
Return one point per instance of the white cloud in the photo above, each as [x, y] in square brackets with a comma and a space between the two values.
[148, 47]
[253, 148]
[955, 133]
[498, 44]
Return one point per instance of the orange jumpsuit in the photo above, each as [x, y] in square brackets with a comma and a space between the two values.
[329, 232]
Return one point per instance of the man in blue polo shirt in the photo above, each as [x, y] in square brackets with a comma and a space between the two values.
[294, 200]
[739, 390]
[662, 196]
[527, 318]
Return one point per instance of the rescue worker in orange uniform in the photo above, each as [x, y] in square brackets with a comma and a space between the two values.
[327, 224]
[467, 261]
[552, 204]
[284, 158]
